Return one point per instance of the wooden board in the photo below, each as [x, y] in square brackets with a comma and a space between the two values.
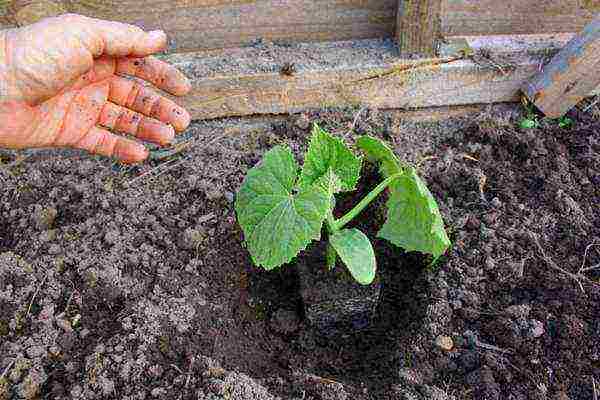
[345, 75]
[5, 17]
[570, 76]
[418, 26]
[209, 24]
[511, 17]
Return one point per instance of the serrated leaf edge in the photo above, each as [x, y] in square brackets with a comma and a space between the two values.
[292, 195]
[302, 248]
[317, 130]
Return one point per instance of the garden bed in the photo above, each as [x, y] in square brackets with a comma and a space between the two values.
[132, 282]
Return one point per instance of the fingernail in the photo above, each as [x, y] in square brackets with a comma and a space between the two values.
[187, 121]
[138, 155]
[181, 119]
[169, 136]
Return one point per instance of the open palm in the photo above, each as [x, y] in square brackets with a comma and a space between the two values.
[65, 86]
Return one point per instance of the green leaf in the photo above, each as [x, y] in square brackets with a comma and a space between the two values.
[355, 250]
[413, 218]
[328, 158]
[330, 183]
[565, 122]
[528, 123]
[277, 222]
[378, 152]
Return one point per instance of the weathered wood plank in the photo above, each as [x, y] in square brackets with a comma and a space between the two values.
[208, 24]
[512, 17]
[30, 11]
[24, 12]
[570, 76]
[418, 26]
[246, 81]
[5, 17]
[6, 25]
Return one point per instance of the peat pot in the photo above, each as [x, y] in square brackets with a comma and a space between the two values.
[333, 300]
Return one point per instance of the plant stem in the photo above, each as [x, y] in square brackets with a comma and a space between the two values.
[331, 253]
[330, 224]
[350, 215]
[331, 256]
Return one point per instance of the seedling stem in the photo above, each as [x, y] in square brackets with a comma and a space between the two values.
[350, 215]
[331, 257]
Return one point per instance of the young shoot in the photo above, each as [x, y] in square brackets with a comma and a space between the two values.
[281, 212]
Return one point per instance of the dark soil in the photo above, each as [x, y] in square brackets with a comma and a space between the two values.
[133, 282]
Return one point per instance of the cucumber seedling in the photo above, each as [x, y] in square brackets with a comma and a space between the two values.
[281, 211]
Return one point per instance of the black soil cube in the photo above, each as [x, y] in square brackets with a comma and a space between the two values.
[333, 300]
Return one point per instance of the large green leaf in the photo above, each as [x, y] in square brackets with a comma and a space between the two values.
[327, 156]
[277, 222]
[413, 218]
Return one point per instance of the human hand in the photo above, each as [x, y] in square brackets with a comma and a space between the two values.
[61, 86]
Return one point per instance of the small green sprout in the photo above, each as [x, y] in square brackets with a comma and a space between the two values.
[565, 122]
[530, 121]
[281, 212]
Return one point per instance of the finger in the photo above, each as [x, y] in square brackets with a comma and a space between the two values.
[130, 94]
[103, 68]
[162, 75]
[115, 38]
[102, 142]
[118, 118]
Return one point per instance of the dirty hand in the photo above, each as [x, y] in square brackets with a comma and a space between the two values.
[61, 86]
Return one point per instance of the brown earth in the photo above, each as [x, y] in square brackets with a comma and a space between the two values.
[133, 282]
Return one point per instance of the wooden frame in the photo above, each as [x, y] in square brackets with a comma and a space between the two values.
[195, 25]
[570, 76]
[418, 26]
[493, 72]
[454, 36]
[516, 17]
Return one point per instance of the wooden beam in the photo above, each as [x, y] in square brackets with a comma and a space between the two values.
[513, 17]
[5, 17]
[195, 25]
[570, 76]
[211, 24]
[418, 26]
[25, 12]
[246, 81]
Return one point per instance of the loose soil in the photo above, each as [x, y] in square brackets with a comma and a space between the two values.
[133, 282]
